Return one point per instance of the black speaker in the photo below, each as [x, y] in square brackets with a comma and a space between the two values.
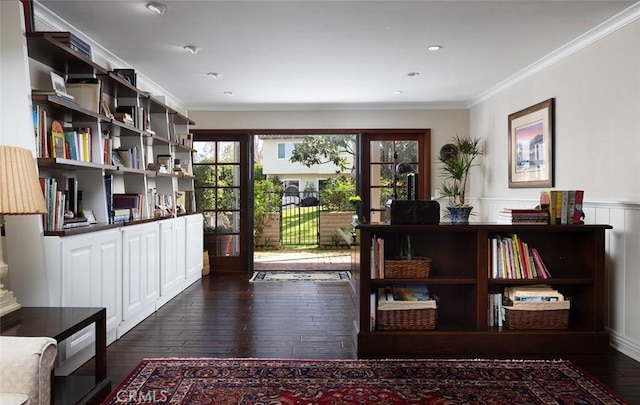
[415, 212]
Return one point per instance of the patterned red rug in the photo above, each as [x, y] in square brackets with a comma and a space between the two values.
[255, 381]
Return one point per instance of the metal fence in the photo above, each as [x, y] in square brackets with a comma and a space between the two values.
[300, 218]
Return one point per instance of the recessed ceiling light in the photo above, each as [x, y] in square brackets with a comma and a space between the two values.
[434, 48]
[398, 92]
[412, 74]
[228, 93]
[215, 75]
[157, 7]
[191, 48]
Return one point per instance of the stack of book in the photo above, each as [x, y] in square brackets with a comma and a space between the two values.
[405, 307]
[535, 297]
[72, 42]
[523, 216]
[532, 300]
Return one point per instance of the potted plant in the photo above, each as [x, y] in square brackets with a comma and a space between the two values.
[217, 229]
[457, 158]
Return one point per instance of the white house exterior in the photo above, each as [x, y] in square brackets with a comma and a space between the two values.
[276, 151]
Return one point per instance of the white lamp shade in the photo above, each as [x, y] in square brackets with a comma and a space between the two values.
[20, 190]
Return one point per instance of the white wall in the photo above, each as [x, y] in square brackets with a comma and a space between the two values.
[16, 126]
[16, 129]
[597, 142]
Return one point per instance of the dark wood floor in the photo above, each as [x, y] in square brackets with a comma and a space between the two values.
[225, 316]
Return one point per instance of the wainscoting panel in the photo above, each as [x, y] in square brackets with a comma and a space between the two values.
[622, 295]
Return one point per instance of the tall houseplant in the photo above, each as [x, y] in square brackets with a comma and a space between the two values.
[457, 158]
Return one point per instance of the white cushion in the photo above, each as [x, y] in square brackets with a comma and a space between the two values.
[26, 367]
[14, 399]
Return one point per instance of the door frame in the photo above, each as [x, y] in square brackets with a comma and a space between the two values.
[244, 262]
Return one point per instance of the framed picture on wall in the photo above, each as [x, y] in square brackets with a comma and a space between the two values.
[531, 133]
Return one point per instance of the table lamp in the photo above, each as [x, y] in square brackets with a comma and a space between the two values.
[20, 194]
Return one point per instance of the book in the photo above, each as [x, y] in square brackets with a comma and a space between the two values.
[72, 140]
[571, 205]
[564, 206]
[108, 188]
[577, 210]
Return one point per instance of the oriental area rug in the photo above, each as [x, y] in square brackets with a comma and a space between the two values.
[300, 276]
[266, 381]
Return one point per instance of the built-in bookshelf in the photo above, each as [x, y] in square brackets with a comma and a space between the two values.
[107, 137]
[463, 278]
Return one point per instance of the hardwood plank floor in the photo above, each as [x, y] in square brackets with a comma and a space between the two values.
[224, 315]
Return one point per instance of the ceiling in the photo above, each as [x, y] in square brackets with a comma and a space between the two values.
[275, 55]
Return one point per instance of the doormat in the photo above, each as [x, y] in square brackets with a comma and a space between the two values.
[272, 381]
[320, 276]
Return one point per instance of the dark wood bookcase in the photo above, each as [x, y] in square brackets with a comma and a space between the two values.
[460, 276]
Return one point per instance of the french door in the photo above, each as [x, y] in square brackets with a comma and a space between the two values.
[221, 167]
[394, 163]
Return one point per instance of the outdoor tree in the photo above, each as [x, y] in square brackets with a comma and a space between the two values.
[336, 192]
[324, 149]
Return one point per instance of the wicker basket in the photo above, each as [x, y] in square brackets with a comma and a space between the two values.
[418, 267]
[544, 319]
[407, 319]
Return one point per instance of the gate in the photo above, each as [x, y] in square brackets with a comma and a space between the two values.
[300, 218]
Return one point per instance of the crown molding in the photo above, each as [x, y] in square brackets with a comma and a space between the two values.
[608, 27]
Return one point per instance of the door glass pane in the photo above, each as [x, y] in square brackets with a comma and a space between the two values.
[228, 152]
[381, 151]
[217, 171]
[390, 163]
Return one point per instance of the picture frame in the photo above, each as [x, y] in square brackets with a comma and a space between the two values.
[91, 218]
[531, 151]
[59, 86]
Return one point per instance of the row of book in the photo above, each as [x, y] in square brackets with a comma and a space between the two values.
[58, 141]
[62, 205]
[400, 297]
[128, 157]
[564, 206]
[539, 297]
[77, 144]
[511, 258]
[377, 257]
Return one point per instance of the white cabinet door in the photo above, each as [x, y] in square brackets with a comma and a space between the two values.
[140, 273]
[169, 286]
[180, 233]
[90, 270]
[194, 248]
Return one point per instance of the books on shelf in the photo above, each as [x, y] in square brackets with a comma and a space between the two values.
[132, 203]
[539, 297]
[55, 200]
[512, 258]
[129, 157]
